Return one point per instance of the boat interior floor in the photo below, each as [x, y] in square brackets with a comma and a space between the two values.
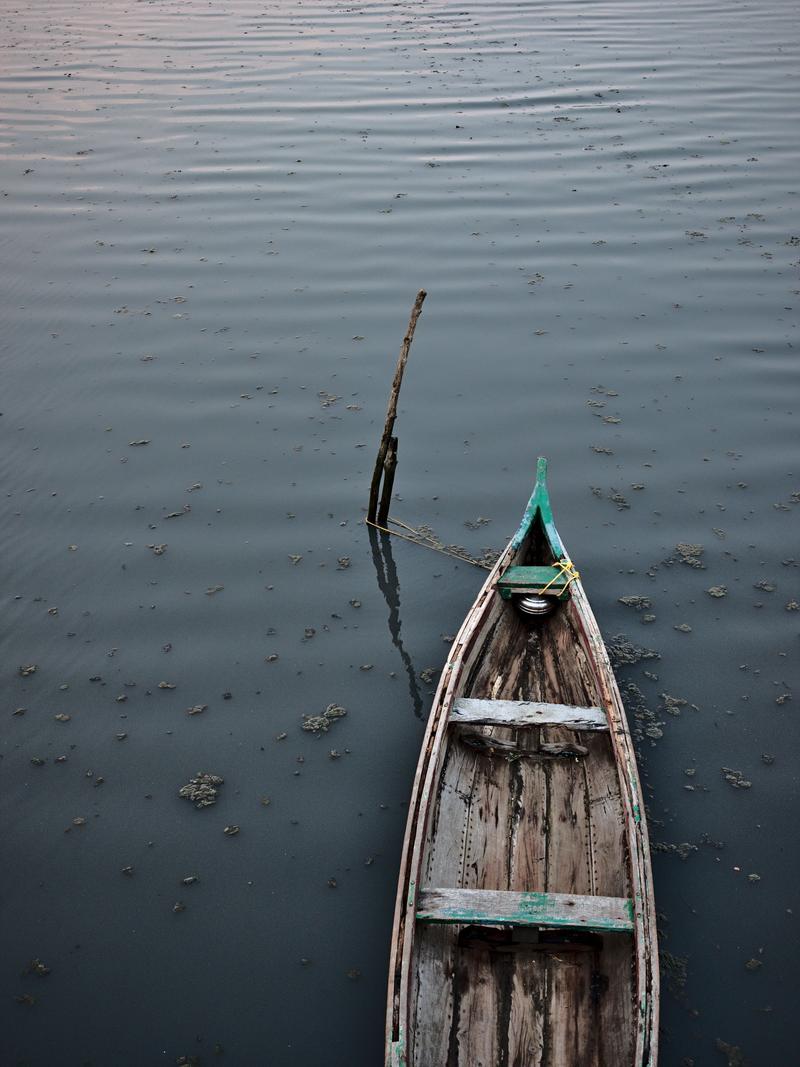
[533, 810]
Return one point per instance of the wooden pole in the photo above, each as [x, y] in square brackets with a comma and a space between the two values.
[386, 463]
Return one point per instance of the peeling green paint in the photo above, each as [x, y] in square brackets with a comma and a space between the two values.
[637, 815]
[398, 1051]
[535, 909]
[540, 502]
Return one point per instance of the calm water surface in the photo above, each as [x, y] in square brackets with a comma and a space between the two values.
[215, 217]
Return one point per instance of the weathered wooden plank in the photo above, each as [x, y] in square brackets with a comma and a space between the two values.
[571, 1030]
[432, 995]
[526, 1018]
[486, 854]
[475, 1038]
[527, 713]
[488, 907]
[607, 818]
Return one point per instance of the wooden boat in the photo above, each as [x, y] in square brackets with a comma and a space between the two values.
[524, 932]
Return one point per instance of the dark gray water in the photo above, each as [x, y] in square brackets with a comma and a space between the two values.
[214, 221]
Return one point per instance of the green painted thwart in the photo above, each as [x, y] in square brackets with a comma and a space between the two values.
[533, 580]
[534, 909]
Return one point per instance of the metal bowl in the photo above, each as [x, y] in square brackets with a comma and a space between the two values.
[536, 605]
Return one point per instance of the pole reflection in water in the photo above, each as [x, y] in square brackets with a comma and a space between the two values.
[389, 585]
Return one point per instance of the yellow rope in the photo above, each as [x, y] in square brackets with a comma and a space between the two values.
[425, 541]
[566, 567]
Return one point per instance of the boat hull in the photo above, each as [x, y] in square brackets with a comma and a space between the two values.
[543, 813]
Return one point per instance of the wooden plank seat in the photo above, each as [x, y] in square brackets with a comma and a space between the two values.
[527, 713]
[489, 907]
[532, 580]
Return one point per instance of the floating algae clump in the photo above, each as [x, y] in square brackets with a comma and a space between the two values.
[202, 789]
[322, 723]
[690, 555]
[622, 652]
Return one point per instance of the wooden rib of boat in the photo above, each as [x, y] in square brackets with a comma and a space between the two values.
[524, 932]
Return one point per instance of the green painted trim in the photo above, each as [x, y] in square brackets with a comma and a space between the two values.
[526, 576]
[540, 502]
[535, 909]
[533, 580]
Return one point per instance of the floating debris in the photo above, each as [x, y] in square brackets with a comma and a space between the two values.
[684, 850]
[765, 586]
[733, 1052]
[753, 965]
[343, 563]
[735, 778]
[718, 591]
[178, 907]
[128, 871]
[212, 589]
[637, 602]
[28, 670]
[79, 820]
[202, 789]
[158, 550]
[38, 967]
[623, 652]
[196, 709]
[427, 675]
[690, 555]
[231, 831]
[167, 685]
[25, 998]
[676, 969]
[683, 628]
[322, 723]
[62, 717]
[140, 442]
[477, 524]
[190, 879]
[673, 705]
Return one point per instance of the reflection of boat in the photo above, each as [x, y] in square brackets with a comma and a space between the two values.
[524, 929]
